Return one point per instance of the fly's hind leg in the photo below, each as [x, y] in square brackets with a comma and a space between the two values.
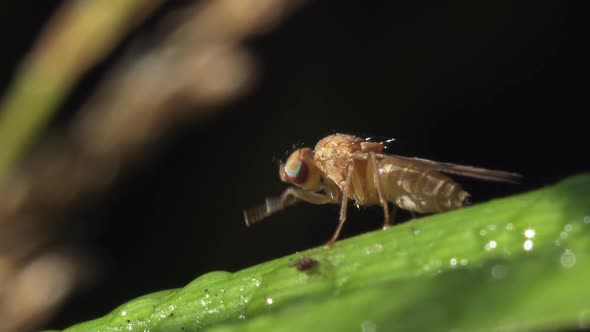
[377, 182]
[343, 209]
[393, 212]
[379, 187]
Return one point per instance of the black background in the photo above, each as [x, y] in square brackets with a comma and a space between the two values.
[498, 85]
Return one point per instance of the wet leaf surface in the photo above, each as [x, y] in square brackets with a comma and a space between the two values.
[516, 263]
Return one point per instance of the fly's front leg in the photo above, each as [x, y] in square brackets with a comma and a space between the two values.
[343, 208]
[304, 195]
[287, 198]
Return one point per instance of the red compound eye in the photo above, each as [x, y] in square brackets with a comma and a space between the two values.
[295, 170]
[301, 171]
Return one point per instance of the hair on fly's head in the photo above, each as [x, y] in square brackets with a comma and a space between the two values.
[388, 142]
[278, 160]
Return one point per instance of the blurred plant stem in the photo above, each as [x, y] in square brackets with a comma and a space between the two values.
[78, 36]
[198, 66]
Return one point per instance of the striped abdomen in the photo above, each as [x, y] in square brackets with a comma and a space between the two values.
[418, 188]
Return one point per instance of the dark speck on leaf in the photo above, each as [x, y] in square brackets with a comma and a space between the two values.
[304, 264]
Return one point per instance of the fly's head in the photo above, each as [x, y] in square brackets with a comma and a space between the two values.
[301, 170]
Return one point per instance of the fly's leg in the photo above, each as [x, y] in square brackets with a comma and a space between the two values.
[287, 198]
[377, 182]
[304, 195]
[379, 187]
[343, 209]
[393, 212]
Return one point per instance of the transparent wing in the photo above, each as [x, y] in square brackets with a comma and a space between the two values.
[461, 170]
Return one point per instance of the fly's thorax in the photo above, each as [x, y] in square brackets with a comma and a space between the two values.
[332, 155]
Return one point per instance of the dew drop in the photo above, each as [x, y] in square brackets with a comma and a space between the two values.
[269, 300]
[587, 219]
[491, 245]
[509, 227]
[464, 262]
[491, 227]
[483, 232]
[256, 282]
[416, 232]
[563, 235]
[529, 233]
[528, 245]
[568, 228]
[244, 299]
[453, 262]
[568, 259]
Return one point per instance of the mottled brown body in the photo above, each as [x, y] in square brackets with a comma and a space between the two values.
[411, 186]
[343, 167]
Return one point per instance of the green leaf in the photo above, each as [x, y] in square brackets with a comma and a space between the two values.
[517, 263]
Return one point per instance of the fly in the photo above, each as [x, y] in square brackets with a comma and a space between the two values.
[344, 167]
